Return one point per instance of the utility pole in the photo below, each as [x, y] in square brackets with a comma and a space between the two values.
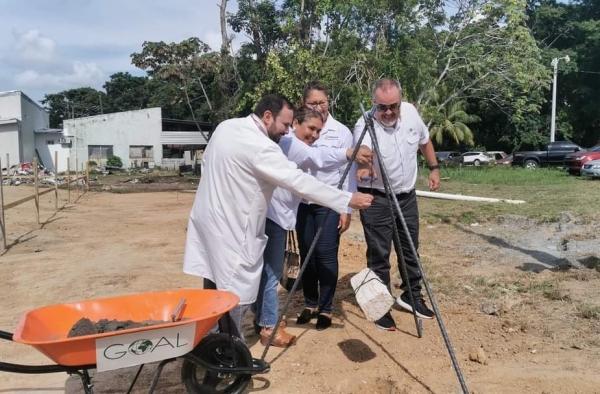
[100, 97]
[553, 119]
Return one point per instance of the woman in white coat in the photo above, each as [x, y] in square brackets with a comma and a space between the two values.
[281, 217]
[242, 167]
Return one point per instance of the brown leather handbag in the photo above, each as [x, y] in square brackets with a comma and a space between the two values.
[291, 263]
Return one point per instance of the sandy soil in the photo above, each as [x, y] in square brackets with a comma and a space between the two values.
[536, 341]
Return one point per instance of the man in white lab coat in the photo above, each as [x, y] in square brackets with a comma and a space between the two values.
[242, 167]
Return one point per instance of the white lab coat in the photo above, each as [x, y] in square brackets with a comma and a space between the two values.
[226, 230]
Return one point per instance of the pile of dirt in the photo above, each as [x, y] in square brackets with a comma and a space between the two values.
[85, 326]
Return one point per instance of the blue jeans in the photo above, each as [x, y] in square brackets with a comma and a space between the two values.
[236, 315]
[266, 307]
[320, 277]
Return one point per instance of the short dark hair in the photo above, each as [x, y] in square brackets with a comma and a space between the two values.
[272, 102]
[313, 85]
[302, 114]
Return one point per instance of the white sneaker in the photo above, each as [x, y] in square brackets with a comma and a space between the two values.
[422, 310]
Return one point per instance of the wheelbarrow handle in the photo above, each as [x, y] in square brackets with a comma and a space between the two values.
[6, 335]
[175, 315]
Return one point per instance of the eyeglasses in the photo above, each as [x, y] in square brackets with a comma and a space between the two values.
[321, 104]
[384, 108]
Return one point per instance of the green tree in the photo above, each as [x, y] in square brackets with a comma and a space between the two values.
[125, 92]
[73, 103]
[187, 65]
[449, 124]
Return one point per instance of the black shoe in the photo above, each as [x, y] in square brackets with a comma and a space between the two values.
[306, 316]
[421, 308]
[323, 322]
[386, 322]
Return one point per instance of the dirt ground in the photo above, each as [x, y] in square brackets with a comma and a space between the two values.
[538, 284]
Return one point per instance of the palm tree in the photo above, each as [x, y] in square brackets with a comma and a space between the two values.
[450, 122]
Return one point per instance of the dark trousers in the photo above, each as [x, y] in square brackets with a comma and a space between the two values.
[379, 233]
[320, 277]
[236, 315]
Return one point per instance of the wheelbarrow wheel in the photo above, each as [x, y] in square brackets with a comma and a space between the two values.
[215, 349]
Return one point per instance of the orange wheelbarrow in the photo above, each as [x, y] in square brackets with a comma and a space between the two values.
[213, 363]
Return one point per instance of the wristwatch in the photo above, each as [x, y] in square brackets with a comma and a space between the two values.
[435, 167]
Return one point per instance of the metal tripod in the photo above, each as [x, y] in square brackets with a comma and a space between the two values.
[393, 203]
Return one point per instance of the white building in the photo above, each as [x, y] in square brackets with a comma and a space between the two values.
[24, 132]
[140, 138]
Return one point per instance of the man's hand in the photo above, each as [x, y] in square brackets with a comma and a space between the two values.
[434, 180]
[363, 156]
[344, 223]
[360, 200]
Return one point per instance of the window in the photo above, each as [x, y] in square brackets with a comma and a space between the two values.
[172, 151]
[49, 142]
[141, 152]
[100, 151]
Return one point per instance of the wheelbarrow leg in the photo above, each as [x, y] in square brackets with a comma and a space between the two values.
[137, 375]
[158, 372]
[86, 381]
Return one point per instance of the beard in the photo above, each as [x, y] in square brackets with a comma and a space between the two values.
[273, 134]
[388, 121]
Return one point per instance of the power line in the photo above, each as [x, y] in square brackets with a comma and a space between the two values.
[588, 72]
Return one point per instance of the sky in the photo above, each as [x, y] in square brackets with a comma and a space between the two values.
[47, 46]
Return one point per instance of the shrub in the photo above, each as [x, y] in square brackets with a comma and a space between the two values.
[114, 161]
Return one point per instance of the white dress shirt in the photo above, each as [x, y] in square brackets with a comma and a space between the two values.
[226, 229]
[284, 205]
[399, 145]
[335, 135]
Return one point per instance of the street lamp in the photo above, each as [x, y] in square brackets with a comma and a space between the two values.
[553, 120]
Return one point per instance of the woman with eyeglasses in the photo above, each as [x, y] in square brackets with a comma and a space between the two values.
[321, 274]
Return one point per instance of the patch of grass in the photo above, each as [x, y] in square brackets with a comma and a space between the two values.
[549, 289]
[468, 217]
[588, 311]
[490, 175]
[546, 192]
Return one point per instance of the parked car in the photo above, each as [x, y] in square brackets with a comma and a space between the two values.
[574, 162]
[449, 158]
[553, 154]
[591, 169]
[475, 158]
[496, 154]
[506, 160]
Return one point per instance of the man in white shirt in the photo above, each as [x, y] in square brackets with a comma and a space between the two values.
[242, 166]
[400, 133]
[321, 274]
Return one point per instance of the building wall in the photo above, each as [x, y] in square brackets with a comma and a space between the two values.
[47, 144]
[9, 143]
[119, 130]
[32, 117]
[10, 105]
[16, 105]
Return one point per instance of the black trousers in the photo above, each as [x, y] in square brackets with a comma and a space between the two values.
[379, 234]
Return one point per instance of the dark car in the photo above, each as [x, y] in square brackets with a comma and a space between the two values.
[553, 154]
[574, 162]
[449, 158]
